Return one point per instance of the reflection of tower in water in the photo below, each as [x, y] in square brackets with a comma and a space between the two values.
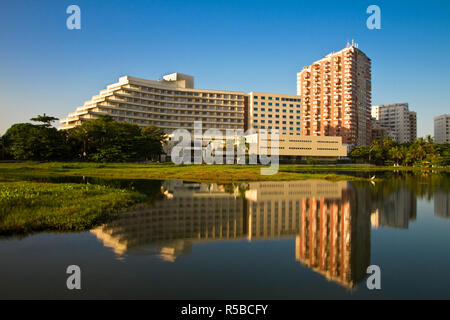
[334, 237]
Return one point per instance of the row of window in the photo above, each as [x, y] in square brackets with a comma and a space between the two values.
[173, 124]
[276, 110]
[277, 116]
[186, 93]
[276, 128]
[276, 104]
[276, 122]
[277, 98]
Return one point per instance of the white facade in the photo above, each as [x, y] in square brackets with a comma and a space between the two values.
[442, 128]
[398, 120]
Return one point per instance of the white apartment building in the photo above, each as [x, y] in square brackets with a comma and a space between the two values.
[442, 129]
[398, 120]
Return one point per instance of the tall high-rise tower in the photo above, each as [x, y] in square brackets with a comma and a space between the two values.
[336, 96]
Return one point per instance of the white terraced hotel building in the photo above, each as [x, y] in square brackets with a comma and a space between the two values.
[169, 103]
[172, 103]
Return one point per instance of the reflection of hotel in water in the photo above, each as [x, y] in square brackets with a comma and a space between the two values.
[331, 227]
[395, 209]
[441, 203]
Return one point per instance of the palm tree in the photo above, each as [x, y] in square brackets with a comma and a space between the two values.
[396, 154]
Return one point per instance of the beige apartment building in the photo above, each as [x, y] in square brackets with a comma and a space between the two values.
[442, 129]
[303, 147]
[169, 103]
[271, 111]
[281, 113]
[399, 122]
[336, 96]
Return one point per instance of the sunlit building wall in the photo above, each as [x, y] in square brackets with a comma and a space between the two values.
[442, 129]
[336, 96]
[169, 103]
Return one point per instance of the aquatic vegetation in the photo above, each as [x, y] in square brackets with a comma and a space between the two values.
[27, 207]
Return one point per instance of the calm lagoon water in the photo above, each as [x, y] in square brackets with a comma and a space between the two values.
[264, 240]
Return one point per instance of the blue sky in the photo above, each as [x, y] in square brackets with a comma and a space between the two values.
[235, 45]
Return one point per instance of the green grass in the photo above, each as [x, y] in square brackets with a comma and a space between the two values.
[27, 207]
[194, 173]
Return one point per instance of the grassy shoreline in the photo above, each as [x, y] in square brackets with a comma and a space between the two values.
[196, 173]
[28, 207]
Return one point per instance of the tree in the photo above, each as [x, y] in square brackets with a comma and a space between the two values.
[2, 149]
[360, 153]
[396, 155]
[152, 142]
[106, 140]
[376, 153]
[25, 141]
[46, 120]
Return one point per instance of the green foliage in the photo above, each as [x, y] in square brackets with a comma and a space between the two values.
[25, 141]
[311, 161]
[105, 140]
[422, 152]
[360, 153]
[152, 139]
[46, 120]
[100, 140]
[33, 206]
[2, 149]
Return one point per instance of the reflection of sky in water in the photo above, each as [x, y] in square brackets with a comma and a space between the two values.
[303, 239]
